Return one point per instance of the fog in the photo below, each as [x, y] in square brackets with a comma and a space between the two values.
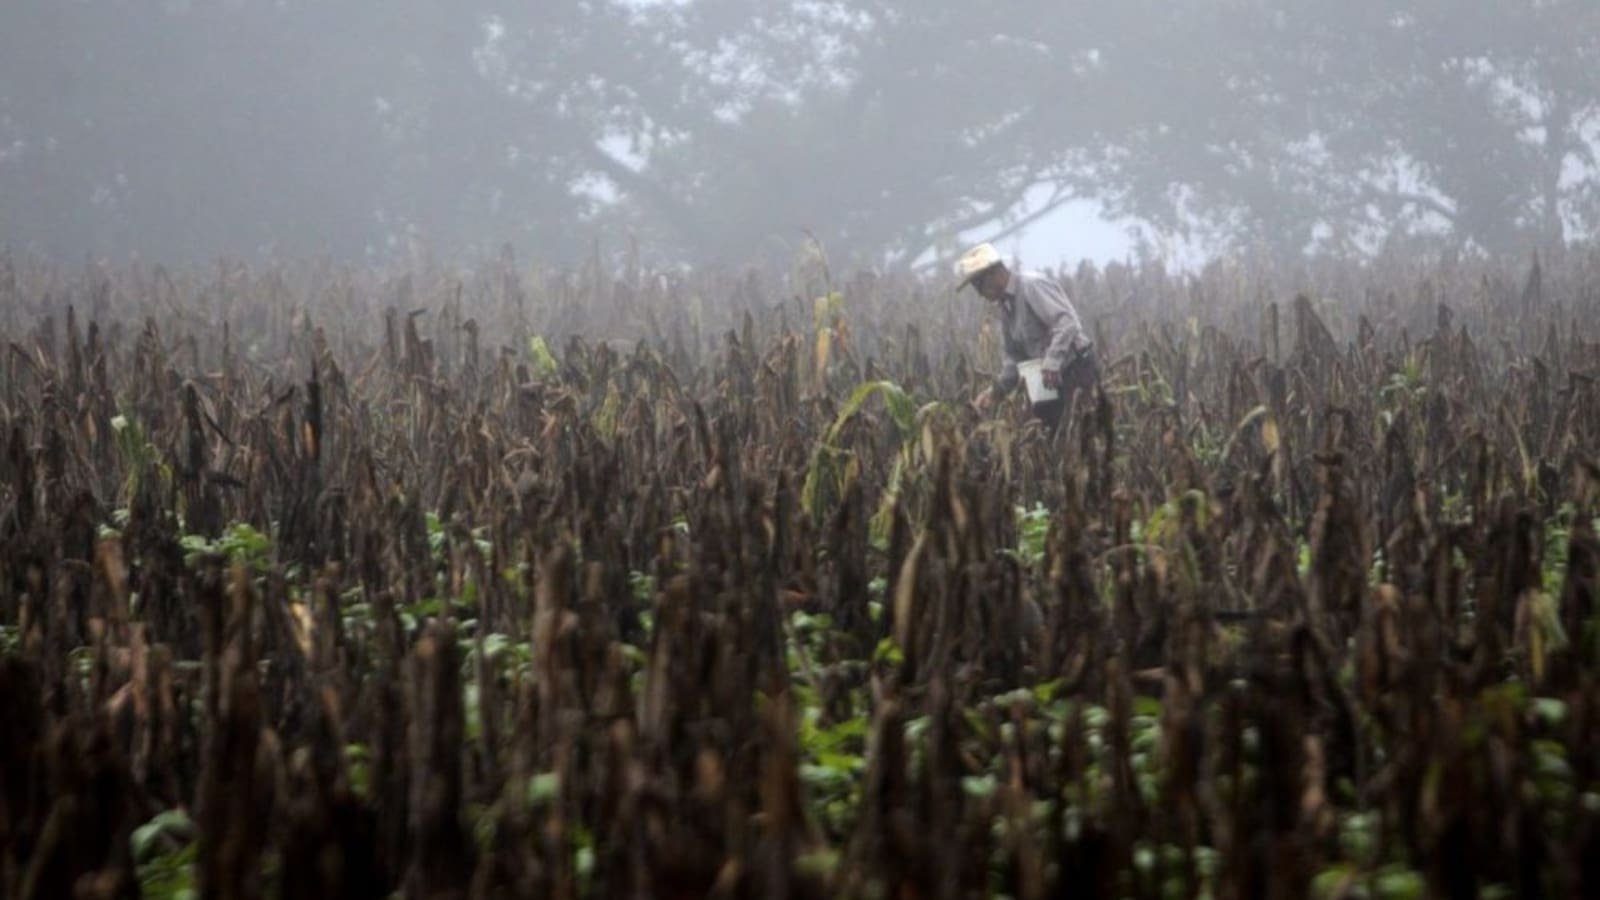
[726, 132]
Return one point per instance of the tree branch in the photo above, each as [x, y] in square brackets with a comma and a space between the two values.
[926, 240]
[1055, 202]
[1411, 198]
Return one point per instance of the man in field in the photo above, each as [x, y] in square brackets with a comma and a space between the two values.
[1037, 322]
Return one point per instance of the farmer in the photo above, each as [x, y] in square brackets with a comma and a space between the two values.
[1037, 321]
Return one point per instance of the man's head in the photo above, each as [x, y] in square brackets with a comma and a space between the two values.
[983, 269]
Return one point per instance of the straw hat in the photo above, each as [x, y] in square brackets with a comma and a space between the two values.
[975, 261]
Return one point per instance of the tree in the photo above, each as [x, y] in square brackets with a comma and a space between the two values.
[893, 126]
[885, 129]
[730, 129]
[185, 130]
[1341, 125]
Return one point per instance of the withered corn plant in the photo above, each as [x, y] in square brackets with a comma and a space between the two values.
[504, 582]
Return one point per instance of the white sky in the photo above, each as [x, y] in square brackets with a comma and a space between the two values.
[1075, 232]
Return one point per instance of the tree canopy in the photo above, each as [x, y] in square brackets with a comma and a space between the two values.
[729, 129]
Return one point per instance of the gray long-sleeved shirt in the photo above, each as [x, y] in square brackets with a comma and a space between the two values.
[1037, 320]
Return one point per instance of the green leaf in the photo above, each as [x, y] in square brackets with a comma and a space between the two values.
[1550, 761]
[888, 652]
[484, 826]
[605, 418]
[1356, 837]
[1046, 691]
[583, 862]
[643, 587]
[242, 542]
[1014, 697]
[1395, 883]
[1332, 880]
[426, 607]
[840, 762]
[171, 876]
[1550, 710]
[544, 362]
[495, 644]
[175, 822]
[358, 761]
[1033, 528]
[826, 779]
[436, 535]
[1096, 717]
[917, 729]
[822, 479]
[901, 409]
[544, 787]
[979, 786]
[818, 863]
[472, 710]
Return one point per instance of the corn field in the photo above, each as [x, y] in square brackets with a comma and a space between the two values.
[320, 581]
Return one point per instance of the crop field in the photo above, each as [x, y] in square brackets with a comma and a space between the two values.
[321, 581]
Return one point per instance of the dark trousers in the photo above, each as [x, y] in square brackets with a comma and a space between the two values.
[1077, 377]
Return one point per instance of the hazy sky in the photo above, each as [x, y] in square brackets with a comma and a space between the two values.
[1075, 232]
[1079, 231]
[730, 130]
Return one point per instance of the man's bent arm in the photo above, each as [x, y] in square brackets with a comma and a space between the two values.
[1067, 336]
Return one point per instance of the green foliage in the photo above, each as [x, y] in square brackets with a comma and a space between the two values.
[437, 536]
[979, 787]
[238, 543]
[1358, 837]
[642, 589]
[1392, 882]
[413, 615]
[828, 307]
[883, 520]
[817, 863]
[171, 876]
[902, 411]
[832, 765]
[825, 476]
[1557, 538]
[164, 850]
[605, 418]
[503, 653]
[141, 459]
[810, 631]
[172, 823]
[1033, 527]
[1546, 634]
[358, 762]
[888, 653]
[544, 362]
[543, 788]
[1406, 389]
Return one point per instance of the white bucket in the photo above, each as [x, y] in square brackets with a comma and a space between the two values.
[1032, 372]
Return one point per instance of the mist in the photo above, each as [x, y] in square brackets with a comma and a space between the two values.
[468, 449]
[724, 132]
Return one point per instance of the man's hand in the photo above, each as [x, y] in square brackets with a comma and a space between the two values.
[984, 400]
[1052, 378]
